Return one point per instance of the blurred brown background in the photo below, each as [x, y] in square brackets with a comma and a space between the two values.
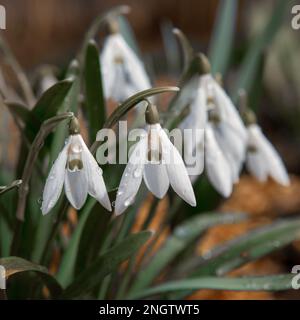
[50, 31]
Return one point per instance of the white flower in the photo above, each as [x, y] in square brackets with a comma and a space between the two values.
[263, 161]
[78, 171]
[212, 110]
[156, 160]
[217, 167]
[122, 71]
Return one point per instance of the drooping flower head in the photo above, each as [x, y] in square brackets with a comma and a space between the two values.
[262, 161]
[122, 70]
[155, 160]
[225, 135]
[76, 169]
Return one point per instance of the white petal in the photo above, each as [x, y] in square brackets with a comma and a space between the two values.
[156, 179]
[232, 146]
[275, 166]
[217, 168]
[228, 111]
[132, 177]
[76, 187]
[55, 181]
[96, 185]
[121, 80]
[176, 170]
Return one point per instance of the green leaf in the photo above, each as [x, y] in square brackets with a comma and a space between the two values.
[95, 101]
[264, 283]
[188, 52]
[106, 264]
[70, 103]
[249, 247]
[182, 236]
[66, 270]
[250, 64]
[128, 34]
[222, 38]
[92, 237]
[15, 265]
[18, 110]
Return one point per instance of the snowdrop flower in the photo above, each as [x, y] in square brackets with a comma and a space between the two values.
[263, 160]
[123, 72]
[155, 160]
[78, 171]
[224, 142]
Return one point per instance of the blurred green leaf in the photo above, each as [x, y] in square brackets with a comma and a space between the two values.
[92, 236]
[67, 266]
[128, 34]
[247, 248]
[222, 38]
[14, 265]
[188, 52]
[95, 101]
[183, 235]
[250, 65]
[105, 264]
[263, 283]
[70, 103]
[18, 110]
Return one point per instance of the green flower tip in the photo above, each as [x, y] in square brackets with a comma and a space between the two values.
[247, 114]
[151, 114]
[203, 64]
[74, 127]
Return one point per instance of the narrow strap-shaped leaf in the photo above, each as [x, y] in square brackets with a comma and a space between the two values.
[188, 52]
[67, 265]
[251, 61]
[183, 235]
[95, 101]
[127, 33]
[105, 264]
[15, 265]
[19, 110]
[249, 247]
[265, 283]
[222, 38]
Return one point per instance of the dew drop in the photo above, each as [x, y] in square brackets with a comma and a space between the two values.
[137, 173]
[128, 201]
[40, 200]
[113, 204]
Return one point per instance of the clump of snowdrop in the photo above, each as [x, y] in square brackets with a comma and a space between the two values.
[224, 141]
[155, 160]
[262, 160]
[76, 170]
[122, 70]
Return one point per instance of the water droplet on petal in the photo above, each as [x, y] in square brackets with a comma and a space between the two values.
[137, 173]
[113, 204]
[128, 201]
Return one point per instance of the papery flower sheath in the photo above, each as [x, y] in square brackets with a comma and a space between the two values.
[123, 72]
[155, 160]
[76, 170]
[263, 161]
